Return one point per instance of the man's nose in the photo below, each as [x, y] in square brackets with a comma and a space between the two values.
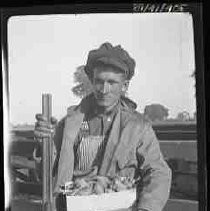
[105, 88]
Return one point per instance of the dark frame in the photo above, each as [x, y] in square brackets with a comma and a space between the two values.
[196, 9]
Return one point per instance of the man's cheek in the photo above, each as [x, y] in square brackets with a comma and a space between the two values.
[95, 88]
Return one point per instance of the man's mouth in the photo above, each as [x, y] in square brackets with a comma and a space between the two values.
[103, 97]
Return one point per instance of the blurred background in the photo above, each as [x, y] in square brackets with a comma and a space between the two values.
[45, 51]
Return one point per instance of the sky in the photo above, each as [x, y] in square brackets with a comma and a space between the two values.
[45, 50]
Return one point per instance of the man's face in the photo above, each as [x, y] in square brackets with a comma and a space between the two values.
[109, 84]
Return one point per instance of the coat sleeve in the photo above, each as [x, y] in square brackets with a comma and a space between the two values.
[154, 186]
[57, 141]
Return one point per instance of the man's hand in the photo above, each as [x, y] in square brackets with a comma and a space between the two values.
[43, 128]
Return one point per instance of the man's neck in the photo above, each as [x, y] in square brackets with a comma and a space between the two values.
[107, 110]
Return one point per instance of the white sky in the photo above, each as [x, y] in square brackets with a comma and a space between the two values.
[44, 52]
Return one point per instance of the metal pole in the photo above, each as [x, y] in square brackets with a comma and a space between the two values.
[47, 158]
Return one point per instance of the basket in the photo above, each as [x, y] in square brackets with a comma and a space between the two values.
[102, 202]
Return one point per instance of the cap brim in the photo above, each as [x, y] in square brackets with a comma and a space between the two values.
[114, 62]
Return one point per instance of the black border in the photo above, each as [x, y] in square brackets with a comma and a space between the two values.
[196, 9]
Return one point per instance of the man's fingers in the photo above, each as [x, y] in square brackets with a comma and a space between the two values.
[54, 120]
[44, 125]
[44, 130]
[41, 117]
[40, 134]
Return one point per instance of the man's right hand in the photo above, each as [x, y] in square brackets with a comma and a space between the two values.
[43, 128]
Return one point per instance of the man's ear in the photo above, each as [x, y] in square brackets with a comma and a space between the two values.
[125, 86]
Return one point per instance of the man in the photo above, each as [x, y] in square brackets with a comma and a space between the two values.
[106, 135]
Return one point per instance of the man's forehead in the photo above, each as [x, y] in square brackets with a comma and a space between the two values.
[107, 68]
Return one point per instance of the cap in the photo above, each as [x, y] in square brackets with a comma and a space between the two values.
[110, 55]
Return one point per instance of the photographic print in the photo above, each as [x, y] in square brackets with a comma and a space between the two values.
[101, 109]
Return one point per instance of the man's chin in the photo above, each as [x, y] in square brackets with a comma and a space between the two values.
[103, 103]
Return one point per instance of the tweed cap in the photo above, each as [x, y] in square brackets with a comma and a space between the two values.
[110, 55]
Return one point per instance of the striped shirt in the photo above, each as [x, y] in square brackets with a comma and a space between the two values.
[91, 142]
[87, 151]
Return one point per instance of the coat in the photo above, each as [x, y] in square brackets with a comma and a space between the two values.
[132, 150]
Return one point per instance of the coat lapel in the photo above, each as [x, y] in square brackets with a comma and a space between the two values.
[120, 142]
[111, 145]
[128, 140]
[66, 160]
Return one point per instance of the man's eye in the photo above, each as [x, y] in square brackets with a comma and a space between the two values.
[112, 82]
[98, 81]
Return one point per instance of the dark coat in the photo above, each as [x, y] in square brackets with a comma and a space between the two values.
[132, 150]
